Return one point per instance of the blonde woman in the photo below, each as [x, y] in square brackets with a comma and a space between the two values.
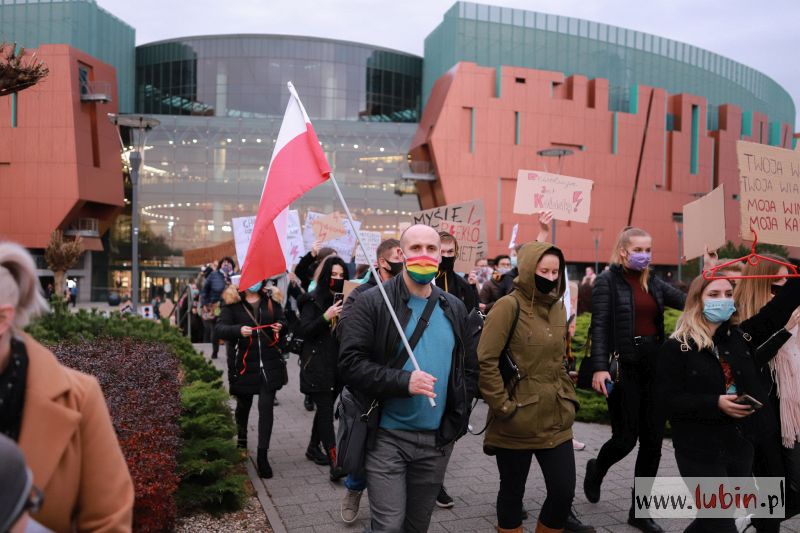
[57, 416]
[705, 366]
[628, 304]
[775, 431]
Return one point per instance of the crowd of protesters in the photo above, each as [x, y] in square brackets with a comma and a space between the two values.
[727, 379]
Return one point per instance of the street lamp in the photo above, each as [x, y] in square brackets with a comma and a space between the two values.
[597, 232]
[677, 219]
[142, 124]
[560, 153]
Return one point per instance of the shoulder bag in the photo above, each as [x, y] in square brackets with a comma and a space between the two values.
[358, 415]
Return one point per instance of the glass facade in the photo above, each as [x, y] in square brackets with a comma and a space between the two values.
[494, 36]
[81, 24]
[244, 76]
[199, 172]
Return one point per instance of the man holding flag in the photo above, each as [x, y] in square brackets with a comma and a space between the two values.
[410, 449]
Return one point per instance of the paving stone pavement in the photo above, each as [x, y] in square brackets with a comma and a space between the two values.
[308, 502]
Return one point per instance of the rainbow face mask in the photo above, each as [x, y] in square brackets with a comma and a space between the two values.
[422, 268]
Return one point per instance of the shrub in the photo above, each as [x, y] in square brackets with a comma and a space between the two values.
[140, 383]
[205, 421]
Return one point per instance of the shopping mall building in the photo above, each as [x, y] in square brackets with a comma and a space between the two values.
[652, 121]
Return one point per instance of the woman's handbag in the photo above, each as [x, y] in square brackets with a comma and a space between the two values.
[357, 416]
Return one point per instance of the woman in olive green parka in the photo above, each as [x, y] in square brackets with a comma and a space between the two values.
[535, 416]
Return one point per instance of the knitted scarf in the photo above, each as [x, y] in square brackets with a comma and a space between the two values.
[785, 369]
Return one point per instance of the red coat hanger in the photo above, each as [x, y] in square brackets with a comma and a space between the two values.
[752, 259]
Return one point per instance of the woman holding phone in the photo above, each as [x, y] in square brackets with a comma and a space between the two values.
[710, 381]
[319, 312]
[628, 304]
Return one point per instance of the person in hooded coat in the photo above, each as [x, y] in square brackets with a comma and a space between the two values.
[255, 365]
[531, 415]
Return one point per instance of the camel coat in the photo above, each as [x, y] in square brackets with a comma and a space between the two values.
[72, 449]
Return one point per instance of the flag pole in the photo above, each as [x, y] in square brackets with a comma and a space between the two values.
[378, 280]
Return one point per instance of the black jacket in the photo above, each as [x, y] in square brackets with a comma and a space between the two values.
[690, 381]
[320, 349]
[244, 375]
[460, 288]
[604, 340]
[369, 343]
[305, 270]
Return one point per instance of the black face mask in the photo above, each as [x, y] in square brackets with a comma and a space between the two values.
[544, 285]
[447, 264]
[337, 285]
[394, 268]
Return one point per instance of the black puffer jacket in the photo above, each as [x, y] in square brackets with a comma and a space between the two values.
[244, 374]
[691, 380]
[369, 342]
[604, 340]
[320, 349]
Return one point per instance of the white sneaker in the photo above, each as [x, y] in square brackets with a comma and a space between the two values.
[577, 445]
[349, 506]
[743, 523]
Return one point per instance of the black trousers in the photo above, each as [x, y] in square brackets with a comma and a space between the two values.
[322, 428]
[735, 461]
[768, 462]
[635, 415]
[210, 335]
[266, 401]
[558, 469]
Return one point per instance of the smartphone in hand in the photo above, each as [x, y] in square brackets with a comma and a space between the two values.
[746, 399]
[609, 386]
[338, 297]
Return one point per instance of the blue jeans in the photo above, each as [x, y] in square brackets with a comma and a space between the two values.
[356, 482]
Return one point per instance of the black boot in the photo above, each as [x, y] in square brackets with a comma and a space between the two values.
[262, 461]
[592, 482]
[241, 440]
[648, 525]
[574, 525]
[336, 472]
[314, 453]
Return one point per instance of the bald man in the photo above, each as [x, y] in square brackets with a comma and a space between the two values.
[411, 441]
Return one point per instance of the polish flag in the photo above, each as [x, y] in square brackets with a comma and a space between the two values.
[298, 165]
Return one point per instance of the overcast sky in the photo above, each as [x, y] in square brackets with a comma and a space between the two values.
[761, 34]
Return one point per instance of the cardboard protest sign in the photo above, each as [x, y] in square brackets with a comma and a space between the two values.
[209, 254]
[343, 245]
[371, 240]
[348, 288]
[769, 193]
[467, 223]
[295, 248]
[513, 242]
[704, 224]
[328, 228]
[567, 197]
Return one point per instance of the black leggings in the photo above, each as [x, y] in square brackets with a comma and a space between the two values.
[322, 428]
[736, 461]
[635, 416]
[558, 469]
[266, 401]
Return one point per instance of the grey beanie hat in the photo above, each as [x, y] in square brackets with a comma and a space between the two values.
[17, 483]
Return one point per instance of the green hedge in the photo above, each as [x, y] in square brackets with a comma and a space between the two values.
[209, 463]
[593, 406]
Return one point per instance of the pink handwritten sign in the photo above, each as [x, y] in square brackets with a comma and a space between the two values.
[567, 197]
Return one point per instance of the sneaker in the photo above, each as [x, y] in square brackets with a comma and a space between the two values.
[444, 500]
[349, 506]
[743, 523]
[315, 454]
[577, 445]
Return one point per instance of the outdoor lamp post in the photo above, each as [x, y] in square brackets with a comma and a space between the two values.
[142, 124]
[560, 153]
[677, 219]
[597, 232]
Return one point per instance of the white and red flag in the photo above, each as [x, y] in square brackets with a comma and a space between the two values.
[298, 165]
